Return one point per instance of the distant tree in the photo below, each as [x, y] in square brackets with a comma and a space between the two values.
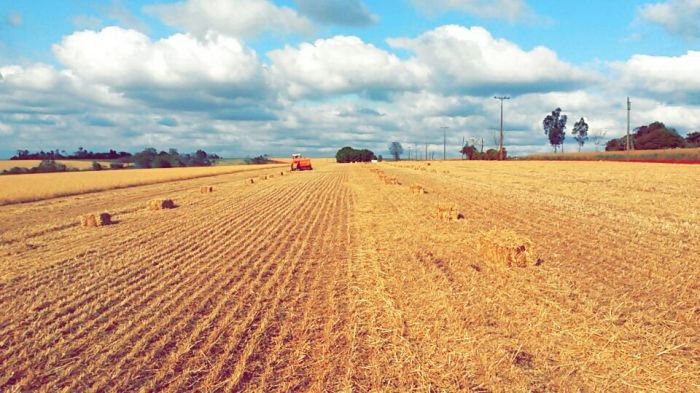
[693, 139]
[650, 137]
[396, 150]
[348, 154]
[263, 159]
[555, 128]
[657, 136]
[380, 158]
[598, 138]
[580, 133]
[615, 145]
[491, 155]
[470, 151]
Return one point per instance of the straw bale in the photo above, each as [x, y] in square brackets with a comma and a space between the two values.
[417, 189]
[505, 247]
[95, 219]
[206, 189]
[391, 180]
[160, 204]
[448, 213]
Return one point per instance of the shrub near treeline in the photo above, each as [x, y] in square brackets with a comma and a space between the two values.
[472, 153]
[348, 154]
[655, 136]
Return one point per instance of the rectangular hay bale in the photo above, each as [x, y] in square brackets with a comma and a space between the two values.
[206, 189]
[448, 213]
[95, 219]
[418, 189]
[506, 248]
[391, 180]
[160, 204]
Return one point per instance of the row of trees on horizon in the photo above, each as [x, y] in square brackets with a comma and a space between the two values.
[648, 137]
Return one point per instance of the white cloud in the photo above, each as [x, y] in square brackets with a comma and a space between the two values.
[240, 18]
[342, 64]
[680, 17]
[35, 77]
[123, 58]
[511, 10]
[666, 78]
[471, 60]
[40, 87]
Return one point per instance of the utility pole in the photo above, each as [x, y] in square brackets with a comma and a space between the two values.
[630, 145]
[444, 142]
[500, 149]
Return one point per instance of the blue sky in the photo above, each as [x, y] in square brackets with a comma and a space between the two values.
[243, 77]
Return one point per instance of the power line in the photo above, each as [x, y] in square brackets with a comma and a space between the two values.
[500, 149]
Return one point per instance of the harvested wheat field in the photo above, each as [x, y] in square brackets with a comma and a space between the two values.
[538, 276]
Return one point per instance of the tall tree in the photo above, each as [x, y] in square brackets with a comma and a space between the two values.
[580, 133]
[396, 150]
[555, 127]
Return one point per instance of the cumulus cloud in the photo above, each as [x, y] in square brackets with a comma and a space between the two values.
[668, 78]
[471, 60]
[128, 59]
[338, 12]
[341, 65]
[240, 18]
[511, 10]
[40, 88]
[680, 17]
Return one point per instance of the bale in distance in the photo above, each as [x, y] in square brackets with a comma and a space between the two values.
[160, 204]
[250, 180]
[418, 189]
[206, 189]
[505, 247]
[95, 219]
[448, 213]
[391, 181]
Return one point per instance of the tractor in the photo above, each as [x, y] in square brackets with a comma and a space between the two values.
[300, 163]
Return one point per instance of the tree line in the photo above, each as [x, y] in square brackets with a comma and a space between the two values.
[348, 154]
[151, 158]
[648, 137]
[80, 154]
[655, 136]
